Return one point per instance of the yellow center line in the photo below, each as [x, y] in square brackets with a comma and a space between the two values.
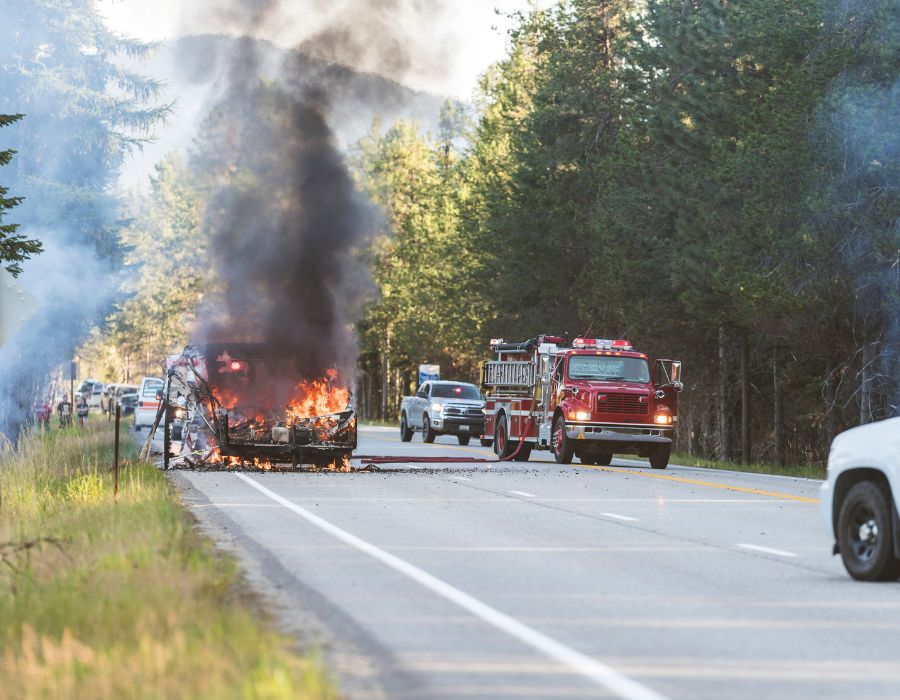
[711, 484]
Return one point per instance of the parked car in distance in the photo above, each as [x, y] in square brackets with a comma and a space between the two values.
[128, 401]
[149, 398]
[86, 388]
[114, 393]
[93, 400]
[443, 408]
[860, 500]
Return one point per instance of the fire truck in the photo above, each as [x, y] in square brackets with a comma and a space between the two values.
[590, 399]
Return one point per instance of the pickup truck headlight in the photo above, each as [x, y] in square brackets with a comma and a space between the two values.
[437, 407]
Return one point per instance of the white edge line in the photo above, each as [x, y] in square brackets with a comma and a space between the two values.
[767, 550]
[460, 478]
[601, 674]
[525, 494]
[620, 517]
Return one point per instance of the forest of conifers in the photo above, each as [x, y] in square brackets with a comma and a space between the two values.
[715, 181]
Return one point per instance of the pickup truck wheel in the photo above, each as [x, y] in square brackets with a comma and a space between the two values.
[659, 456]
[463, 439]
[406, 432]
[427, 431]
[563, 450]
[486, 442]
[865, 535]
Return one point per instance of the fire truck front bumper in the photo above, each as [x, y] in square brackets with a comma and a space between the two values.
[630, 434]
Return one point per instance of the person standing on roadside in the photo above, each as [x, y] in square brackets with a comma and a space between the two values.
[81, 408]
[64, 411]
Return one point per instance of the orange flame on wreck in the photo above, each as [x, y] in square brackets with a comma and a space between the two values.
[318, 398]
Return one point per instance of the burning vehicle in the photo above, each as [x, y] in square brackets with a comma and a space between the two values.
[241, 405]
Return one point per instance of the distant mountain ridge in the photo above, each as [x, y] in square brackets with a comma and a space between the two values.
[193, 70]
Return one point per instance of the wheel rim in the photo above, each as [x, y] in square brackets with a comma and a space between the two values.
[864, 533]
[557, 439]
[501, 439]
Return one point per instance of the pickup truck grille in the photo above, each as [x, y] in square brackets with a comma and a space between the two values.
[464, 411]
[636, 404]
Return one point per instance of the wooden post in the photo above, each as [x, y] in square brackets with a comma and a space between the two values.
[116, 452]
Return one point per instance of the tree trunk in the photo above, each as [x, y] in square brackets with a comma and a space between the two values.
[778, 408]
[830, 412]
[865, 385]
[745, 399]
[724, 411]
[385, 368]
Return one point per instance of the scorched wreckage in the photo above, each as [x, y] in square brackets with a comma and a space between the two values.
[239, 405]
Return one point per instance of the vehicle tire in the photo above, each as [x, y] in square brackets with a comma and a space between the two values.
[524, 453]
[137, 428]
[502, 447]
[406, 432]
[865, 533]
[563, 450]
[659, 456]
[486, 442]
[463, 439]
[428, 434]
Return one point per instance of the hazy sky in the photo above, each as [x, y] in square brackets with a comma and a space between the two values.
[449, 44]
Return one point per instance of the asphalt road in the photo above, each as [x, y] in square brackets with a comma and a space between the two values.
[534, 580]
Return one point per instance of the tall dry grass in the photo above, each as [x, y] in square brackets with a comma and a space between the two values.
[104, 597]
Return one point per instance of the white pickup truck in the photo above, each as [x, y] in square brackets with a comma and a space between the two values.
[443, 408]
[860, 500]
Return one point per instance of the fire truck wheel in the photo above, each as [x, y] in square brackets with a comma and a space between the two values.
[659, 457]
[563, 451]
[463, 439]
[406, 432]
[502, 448]
[427, 431]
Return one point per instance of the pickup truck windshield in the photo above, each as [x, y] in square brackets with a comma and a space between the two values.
[606, 368]
[455, 391]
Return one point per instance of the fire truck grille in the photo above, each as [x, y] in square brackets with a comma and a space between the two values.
[623, 403]
[464, 411]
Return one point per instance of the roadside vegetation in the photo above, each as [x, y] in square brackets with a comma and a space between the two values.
[804, 471]
[104, 597]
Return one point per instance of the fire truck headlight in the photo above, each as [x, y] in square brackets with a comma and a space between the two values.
[437, 407]
[663, 419]
[579, 415]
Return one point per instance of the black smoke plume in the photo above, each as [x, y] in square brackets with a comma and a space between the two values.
[287, 225]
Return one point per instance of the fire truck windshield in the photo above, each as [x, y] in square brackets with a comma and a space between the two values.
[607, 368]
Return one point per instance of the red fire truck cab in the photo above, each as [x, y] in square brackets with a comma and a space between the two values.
[590, 399]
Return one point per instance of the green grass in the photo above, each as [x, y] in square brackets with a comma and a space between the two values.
[809, 471]
[104, 597]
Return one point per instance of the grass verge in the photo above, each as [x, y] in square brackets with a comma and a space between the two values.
[806, 471]
[104, 597]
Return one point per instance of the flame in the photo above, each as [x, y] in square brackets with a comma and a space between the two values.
[227, 398]
[318, 398]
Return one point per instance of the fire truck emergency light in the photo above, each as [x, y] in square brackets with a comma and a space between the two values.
[600, 344]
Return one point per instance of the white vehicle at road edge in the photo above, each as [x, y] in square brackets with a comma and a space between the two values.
[860, 500]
